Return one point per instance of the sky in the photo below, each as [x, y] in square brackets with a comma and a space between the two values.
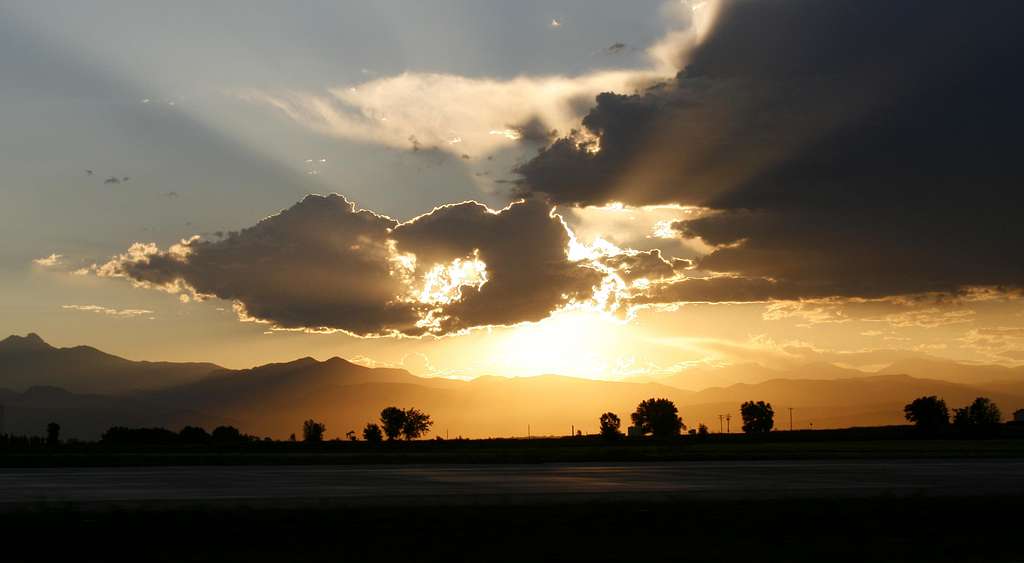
[596, 188]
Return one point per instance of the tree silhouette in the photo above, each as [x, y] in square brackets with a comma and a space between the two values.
[313, 431]
[392, 420]
[226, 434]
[416, 423]
[351, 435]
[982, 412]
[659, 417]
[52, 434]
[372, 433]
[758, 417]
[193, 435]
[927, 413]
[610, 424]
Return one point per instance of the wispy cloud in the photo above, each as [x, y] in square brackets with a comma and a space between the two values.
[459, 114]
[49, 261]
[111, 312]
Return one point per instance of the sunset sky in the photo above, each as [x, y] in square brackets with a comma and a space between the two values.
[596, 188]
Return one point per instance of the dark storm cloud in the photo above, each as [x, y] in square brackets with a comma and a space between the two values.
[524, 248]
[648, 264]
[324, 265]
[849, 148]
[535, 130]
[319, 264]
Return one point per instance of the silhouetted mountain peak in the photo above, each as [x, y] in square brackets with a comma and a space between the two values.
[30, 341]
[336, 361]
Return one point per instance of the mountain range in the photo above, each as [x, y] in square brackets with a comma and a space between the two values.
[86, 391]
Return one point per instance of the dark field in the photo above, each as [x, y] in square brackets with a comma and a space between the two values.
[868, 529]
[838, 497]
[553, 483]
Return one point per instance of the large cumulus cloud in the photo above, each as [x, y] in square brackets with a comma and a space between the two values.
[325, 265]
[843, 148]
[524, 248]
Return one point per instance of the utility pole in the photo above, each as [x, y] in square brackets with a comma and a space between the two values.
[790, 419]
[720, 424]
[528, 433]
[572, 430]
[727, 418]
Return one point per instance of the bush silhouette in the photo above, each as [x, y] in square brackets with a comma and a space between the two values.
[313, 431]
[927, 413]
[610, 424]
[758, 417]
[659, 417]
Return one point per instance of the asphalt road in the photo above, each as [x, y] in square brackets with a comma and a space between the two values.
[444, 484]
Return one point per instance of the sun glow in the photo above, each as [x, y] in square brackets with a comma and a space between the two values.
[572, 342]
[444, 282]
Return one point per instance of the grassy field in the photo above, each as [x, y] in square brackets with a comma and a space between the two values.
[586, 449]
[876, 529]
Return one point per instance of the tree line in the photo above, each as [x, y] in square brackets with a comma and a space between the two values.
[655, 417]
[660, 418]
[931, 415]
[395, 424]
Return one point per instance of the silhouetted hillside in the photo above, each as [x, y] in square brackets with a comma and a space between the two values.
[87, 416]
[947, 370]
[275, 399]
[703, 377]
[27, 361]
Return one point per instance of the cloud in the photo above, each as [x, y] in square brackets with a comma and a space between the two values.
[324, 265]
[828, 165]
[524, 248]
[999, 342]
[448, 112]
[120, 313]
[321, 264]
[112, 180]
[894, 312]
[49, 261]
[417, 110]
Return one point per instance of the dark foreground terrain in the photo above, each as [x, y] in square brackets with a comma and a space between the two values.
[435, 485]
[879, 528]
[797, 510]
[721, 499]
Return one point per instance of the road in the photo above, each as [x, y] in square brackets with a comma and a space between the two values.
[444, 484]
